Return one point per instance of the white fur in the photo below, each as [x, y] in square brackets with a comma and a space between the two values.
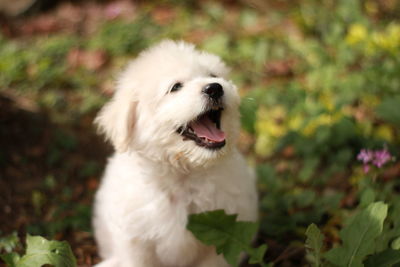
[156, 179]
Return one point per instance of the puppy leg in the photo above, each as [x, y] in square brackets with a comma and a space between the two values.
[135, 253]
[130, 253]
[113, 262]
[212, 259]
[103, 238]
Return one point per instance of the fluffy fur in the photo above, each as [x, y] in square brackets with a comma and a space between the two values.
[156, 178]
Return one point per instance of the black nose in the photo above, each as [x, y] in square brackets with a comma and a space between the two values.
[213, 90]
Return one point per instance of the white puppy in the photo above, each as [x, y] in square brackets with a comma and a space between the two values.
[174, 122]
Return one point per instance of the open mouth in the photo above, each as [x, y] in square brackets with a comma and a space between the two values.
[205, 130]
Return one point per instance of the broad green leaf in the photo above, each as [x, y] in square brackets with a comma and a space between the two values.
[11, 259]
[367, 197]
[386, 258]
[359, 237]
[314, 243]
[390, 237]
[258, 254]
[40, 251]
[215, 228]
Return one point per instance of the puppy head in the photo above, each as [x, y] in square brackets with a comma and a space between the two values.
[173, 104]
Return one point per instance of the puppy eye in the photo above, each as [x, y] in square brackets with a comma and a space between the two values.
[213, 75]
[176, 87]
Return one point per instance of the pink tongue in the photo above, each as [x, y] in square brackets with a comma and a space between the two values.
[204, 127]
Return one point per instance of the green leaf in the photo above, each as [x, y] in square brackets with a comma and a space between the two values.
[396, 244]
[314, 243]
[228, 236]
[258, 254]
[389, 110]
[11, 259]
[40, 251]
[248, 109]
[367, 197]
[359, 237]
[217, 44]
[386, 258]
[310, 165]
[9, 242]
[248, 18]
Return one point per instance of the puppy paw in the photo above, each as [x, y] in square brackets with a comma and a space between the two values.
[213, 260]
[108, 263]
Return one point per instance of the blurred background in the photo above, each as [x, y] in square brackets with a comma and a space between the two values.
[319, 80]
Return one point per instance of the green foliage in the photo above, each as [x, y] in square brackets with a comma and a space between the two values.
[386, 258]
[360, 241]
[77, 218]
[389, 110]
[39, 252]
[11, 259]
[308, 205]
[12, 65]
[359, 236]
[9, 243]
[121, 38]
[230, 237]
[35, 67]
[248, 111]
[314, 244]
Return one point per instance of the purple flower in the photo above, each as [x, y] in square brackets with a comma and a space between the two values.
[377, 158]
[365, 155]
[366, 168]
[381, 157]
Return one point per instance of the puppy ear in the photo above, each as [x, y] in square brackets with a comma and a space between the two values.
[116, 121]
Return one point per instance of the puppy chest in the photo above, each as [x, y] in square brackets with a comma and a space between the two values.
[200, 198]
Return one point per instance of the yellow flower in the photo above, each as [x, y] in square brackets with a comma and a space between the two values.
[393, 36]
[381, 40]
[326, 98]
[357, 33]
[323, 119]
[295, 121]
[264, 145]
[269, 127]
[384, 132]
[388, 40]
[370, 101]
[270, 122]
